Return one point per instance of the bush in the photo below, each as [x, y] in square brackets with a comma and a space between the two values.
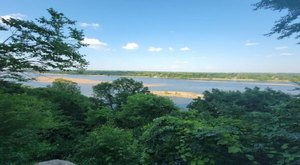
[107, 145]
[141, 109]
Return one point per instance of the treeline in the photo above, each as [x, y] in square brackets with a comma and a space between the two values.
[124, 124]
[290, 77]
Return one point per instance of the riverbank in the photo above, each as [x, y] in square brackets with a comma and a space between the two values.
[50, 79]
[180, 94]
[189, 95]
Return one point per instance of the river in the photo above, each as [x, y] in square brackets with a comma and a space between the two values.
[161, 84]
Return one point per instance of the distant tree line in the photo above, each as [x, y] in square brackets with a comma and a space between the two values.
[290, 77]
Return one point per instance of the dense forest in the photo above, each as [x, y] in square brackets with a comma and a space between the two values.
[124, 124]
[278, 77]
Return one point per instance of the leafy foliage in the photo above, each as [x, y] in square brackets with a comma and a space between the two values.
[65, 86]
[235, 103]
[225, 127]
[23, 118]
[47, 43]
[107, 145]
[115, 94]
[141, 109]
[269, 118]
[99, 117]
[70, 109]
[171, 140]
[287, 25]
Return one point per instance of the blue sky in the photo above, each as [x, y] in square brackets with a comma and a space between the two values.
[172, 35]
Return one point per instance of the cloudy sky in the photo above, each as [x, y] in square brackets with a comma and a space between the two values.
[172, 35]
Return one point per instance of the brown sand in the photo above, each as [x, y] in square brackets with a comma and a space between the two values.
[48, 79]
[181, 94]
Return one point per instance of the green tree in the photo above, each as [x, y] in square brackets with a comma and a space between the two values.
[23, 120]
[171, 140]
[268, 122]
[115, 94]
[63, 85]
[287, 25]
[73, 106]
[70, 109]
[99, 117]
[47, 43]
[107, 145]
[141, 109]
[105, 94]
[236, 103]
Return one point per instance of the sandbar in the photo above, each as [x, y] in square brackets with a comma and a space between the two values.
[180, 94]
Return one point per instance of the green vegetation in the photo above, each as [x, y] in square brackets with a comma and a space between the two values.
[277, 77]
[58, 122]
[115, 94]
[47, 43]
[287, 25]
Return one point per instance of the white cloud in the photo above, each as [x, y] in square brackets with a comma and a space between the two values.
[154, 49]
[14, 15]
[281, 48]
[95, 43]
[9, 16]
[184, 49]
[286, 54]
[249, 43]
[92, 25]
[131, 46]
[171, 49]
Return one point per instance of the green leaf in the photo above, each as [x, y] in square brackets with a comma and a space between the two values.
[250, 157]
[223, 142]
[234, 149]
[270, 155]
[285, 146]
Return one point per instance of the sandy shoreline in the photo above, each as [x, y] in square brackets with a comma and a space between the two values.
[50, 79]
[190, 95]
[218, 80]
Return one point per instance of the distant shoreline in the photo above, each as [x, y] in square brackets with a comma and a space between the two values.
[248, 81]
[50, 79]
[239, 77]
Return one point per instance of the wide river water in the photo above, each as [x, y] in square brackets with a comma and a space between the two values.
[161, 84]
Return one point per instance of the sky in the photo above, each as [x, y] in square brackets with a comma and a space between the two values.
[172, 35]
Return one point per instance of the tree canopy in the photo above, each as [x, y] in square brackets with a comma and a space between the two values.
[287, 25]
[223, 127]
[65, 85]
[40, 45]
[115, 94]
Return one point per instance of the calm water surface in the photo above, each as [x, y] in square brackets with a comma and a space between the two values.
[196, 86]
